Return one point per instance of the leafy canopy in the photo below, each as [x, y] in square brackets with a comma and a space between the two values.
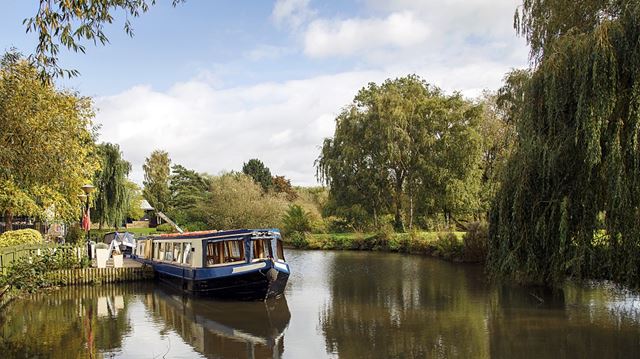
[571, 191]
[157, 169]
[398, 142]
[111, 202]
[259, 172]
[47, 147]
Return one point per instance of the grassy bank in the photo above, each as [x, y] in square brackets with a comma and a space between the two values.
[454, 246]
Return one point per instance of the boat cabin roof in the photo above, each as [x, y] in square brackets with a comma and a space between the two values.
[214, 234]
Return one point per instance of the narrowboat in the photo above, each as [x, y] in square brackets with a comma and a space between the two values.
[244, 264]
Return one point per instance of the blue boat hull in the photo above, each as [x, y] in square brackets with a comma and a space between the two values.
[256, 281]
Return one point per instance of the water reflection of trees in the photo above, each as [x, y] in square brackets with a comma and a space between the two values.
[392, 306]
[74, 322]
[222, 329]
[572, 322]
[397, 310]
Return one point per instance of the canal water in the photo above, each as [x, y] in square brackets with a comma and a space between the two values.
[337, 304]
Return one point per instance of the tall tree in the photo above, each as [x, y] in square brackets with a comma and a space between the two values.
[68, 23]
[578, 152]
[187, 188]
[259, 172]
[112, 198]
[46, 143]
[157, 169]
[403, 137]
[134, 201]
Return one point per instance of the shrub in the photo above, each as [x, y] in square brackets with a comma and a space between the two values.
[31, 273]
[296, 220]
[475, 242]
[298, 240]
[165, 227]
[75, 234]
[338, 225]
[101, 245]
[194, 226]
[20, 237]
[448, 246]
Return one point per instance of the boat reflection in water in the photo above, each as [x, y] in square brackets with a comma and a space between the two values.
[222, 329]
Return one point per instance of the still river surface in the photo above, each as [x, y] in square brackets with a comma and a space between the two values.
[337, 304]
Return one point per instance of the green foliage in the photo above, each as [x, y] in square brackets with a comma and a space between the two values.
[112, 197]
[31, 273]
[403, 144]
[70, 23]
[337, 225]
[74, 235]
[196, 226]
[156, 180]
[102, 245]
[475, 242]
[448, 246]
[298, 239]
[134, 201]
[296, 220]
[259, 173]
[234, 200]
[187, 188]
[165, 227]
[46, 144]
[578, 154]
[20, 237]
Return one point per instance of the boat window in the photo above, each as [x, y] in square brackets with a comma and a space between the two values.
[262, 249]
[177, 252]
[214, 253]
[225, 252]
[280, 249]
[234, 252]
[168, 252]
[186, 253]
[161, 251]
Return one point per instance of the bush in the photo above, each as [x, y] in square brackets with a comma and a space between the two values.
[20, 237]
[296, 220]
[448, 246]
[75, 234]
[475, 242]
[165, 227]
[31, 273]
[338, 225]
[194, 226]
[298, 240]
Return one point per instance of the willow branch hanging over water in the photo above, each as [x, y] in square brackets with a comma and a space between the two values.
[570, 203]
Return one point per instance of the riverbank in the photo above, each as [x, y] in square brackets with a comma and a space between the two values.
[452, 246]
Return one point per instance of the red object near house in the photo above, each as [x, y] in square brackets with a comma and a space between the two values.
[86, 221]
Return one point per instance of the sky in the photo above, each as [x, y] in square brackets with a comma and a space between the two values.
[216, 83]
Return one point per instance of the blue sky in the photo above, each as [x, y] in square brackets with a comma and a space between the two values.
[219, 82]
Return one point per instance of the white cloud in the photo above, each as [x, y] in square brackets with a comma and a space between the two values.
[352, 36]
[213, 130]
[291, 12]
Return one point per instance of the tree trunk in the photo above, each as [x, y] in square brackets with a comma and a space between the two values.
[8, 220]
[410, 209]
[399, 225]
[375, 216]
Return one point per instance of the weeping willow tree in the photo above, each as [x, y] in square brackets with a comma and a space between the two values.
[113, 197]
[570, 200]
